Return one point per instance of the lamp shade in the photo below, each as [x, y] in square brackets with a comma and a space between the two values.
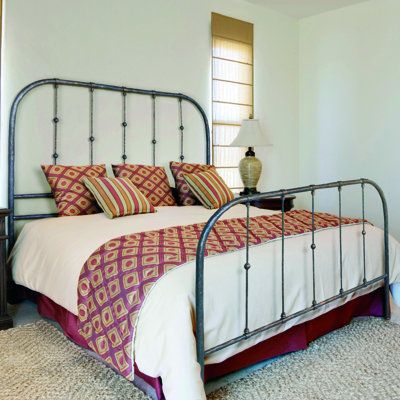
[250, 135]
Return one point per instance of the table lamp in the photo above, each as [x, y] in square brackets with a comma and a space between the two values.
[250, 135]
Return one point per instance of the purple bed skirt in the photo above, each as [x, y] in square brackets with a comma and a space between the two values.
[295, 338]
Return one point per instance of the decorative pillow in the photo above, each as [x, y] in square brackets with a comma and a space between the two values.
[209, 188]
[118, 196]
[178, 169]
[70, 194]
[151, 181]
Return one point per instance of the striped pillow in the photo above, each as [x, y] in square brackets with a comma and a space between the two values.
[118, 197]
[209, 188]
[178, 170]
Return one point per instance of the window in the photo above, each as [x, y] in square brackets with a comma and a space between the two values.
[232, 91]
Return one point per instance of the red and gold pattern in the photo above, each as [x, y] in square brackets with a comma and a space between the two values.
[116, 278]
[70, 194]
[151, 181]
[178, 169]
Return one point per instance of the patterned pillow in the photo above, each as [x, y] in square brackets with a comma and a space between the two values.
[209, 188]
[118, 196]
[178, 169]
[151, 181]
[70, 194]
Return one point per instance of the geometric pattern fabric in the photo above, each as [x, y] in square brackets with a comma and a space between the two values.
[117, 277]
[70, 194]
[151, 181]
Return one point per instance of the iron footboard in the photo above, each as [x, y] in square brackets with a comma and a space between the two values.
[201, 351]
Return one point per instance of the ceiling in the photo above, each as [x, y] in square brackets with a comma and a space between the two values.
[304, 8]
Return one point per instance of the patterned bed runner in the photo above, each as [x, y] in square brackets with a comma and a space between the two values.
[116, 278]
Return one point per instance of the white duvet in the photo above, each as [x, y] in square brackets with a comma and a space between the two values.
[50, 253]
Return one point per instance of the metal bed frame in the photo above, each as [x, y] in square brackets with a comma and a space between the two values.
[125, 91]
[201, 351]
[246, 200]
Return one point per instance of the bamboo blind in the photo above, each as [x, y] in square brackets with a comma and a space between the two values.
[232, 91]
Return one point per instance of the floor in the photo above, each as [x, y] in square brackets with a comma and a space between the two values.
[26, 313]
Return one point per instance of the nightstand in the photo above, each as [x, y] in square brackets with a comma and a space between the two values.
[274, 203]
[5, 320]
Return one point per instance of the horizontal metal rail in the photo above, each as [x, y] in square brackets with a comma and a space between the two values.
[200, 256]
[292, 316]
[33, 196]
[25, 217]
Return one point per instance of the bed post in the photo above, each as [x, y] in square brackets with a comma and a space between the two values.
[386, 299]
[200, 303]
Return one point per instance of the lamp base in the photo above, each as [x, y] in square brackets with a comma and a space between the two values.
[247, 191]
[250, 171]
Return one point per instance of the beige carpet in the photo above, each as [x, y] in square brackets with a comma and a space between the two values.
[361, 361]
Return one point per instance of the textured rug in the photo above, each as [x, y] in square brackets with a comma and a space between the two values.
[360, 361]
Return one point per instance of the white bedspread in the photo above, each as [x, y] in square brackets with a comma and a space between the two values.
[50, 253]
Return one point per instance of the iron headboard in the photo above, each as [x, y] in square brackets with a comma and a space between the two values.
[12, 196]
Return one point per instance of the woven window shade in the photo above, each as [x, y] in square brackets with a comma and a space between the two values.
[232, 91]
[231, 28]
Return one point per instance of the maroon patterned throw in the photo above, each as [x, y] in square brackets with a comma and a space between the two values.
[116, 278]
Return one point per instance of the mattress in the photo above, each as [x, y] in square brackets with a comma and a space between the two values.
[50, 253]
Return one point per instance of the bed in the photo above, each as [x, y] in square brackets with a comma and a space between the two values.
[216, 311]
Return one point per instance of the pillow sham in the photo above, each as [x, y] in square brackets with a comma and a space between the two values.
[209, 188]
[178, 169]
[151, 181]
[70, 194]
[118, 197]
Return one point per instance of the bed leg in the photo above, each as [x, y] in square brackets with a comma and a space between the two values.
[16, 293]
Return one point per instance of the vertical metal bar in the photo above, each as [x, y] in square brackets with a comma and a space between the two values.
[283, 314]
[340, 237]
[3, 274]
[363, 232]
[124, 125]
[247, 267]
[154, 141]
[200, 351]
[56, 120]
[313, 246]
[386, 302]
[91, 137]
[181, 129]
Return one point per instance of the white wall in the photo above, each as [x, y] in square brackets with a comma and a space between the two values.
[349, 102]
[158, 44]
[345, 61]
